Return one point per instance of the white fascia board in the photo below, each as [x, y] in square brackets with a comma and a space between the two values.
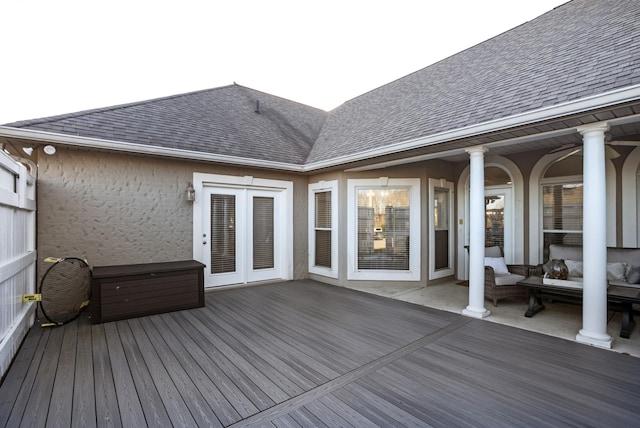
[96, 143]
[618, 96]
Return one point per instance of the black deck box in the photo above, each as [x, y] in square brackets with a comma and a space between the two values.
[127, 291]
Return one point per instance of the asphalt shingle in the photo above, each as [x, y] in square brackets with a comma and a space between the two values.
[220, 121]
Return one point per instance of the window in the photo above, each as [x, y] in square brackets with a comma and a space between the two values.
[384, 229]
[323, 251]
[562, 214]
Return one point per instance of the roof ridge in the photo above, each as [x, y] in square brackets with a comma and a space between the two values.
[81, 113]
[278, 96]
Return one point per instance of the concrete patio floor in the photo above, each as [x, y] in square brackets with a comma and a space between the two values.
[559, 319]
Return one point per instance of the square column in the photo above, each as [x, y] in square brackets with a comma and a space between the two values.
[476, 307]
[594, 238]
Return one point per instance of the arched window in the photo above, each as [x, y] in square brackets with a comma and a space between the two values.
[559, 220]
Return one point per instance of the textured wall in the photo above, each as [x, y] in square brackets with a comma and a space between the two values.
[121, 209]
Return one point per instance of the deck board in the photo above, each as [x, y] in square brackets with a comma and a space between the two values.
[107, 410]
[83, 411]
[62, 394]
[307, 354]
[37, 407]
[129, 404]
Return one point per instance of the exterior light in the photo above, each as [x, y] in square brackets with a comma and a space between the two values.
[50, 150]
[190, 192]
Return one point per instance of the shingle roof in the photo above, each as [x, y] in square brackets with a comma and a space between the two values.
[221, 121]
[581, 48]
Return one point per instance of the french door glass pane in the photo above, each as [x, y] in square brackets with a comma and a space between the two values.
[383, 228]
[223, 233]
[441, 227]
[494, 218]
[263, 229]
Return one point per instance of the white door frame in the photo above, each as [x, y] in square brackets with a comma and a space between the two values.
[517, 185]
[282, 190]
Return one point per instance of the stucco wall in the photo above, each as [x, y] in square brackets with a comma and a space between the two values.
[120, 208]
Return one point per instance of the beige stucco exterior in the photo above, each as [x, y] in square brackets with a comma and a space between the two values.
[120, 208]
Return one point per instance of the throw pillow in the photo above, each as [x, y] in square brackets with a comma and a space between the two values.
[498, 264]
[634, 275]
[575, 268]
[616, 271]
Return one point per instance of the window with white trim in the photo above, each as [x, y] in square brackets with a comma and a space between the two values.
[323, 220]
[384, 229]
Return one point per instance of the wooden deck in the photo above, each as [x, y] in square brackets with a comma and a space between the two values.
[307, 354]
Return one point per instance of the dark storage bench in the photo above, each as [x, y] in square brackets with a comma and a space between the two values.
[127, 291]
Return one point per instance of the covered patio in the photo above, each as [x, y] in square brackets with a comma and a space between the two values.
[303, 353]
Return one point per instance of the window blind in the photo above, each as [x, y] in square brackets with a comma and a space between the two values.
[263, 231]
[323, 229]
[386, 210]
[223, 233]
[562, 214]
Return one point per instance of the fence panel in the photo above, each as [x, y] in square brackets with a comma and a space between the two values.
[17, 256]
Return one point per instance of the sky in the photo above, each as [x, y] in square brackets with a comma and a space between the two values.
[63, 56]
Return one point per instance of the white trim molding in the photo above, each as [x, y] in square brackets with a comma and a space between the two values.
[324, 186]
[630, 170]
[415, 233]
[285, 217]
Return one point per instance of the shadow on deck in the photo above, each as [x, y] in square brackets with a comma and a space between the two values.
[303, 353]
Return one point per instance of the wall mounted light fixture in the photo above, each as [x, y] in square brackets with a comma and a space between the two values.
[190, 192]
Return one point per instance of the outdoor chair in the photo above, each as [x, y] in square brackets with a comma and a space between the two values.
[500, 279]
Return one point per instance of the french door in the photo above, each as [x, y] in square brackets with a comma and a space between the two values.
[499, 223]
[241, 235]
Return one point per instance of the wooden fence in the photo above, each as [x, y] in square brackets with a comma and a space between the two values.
[17, 256]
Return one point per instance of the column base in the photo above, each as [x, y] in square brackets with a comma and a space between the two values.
[476, 312]
[594, 339]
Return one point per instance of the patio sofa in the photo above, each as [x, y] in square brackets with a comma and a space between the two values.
[500, 279]
[623, 264]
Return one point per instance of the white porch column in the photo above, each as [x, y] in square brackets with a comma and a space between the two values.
[594, 238]
[476, 307]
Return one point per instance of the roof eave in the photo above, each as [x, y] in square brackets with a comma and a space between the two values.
[607, 99]
[96, 143]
